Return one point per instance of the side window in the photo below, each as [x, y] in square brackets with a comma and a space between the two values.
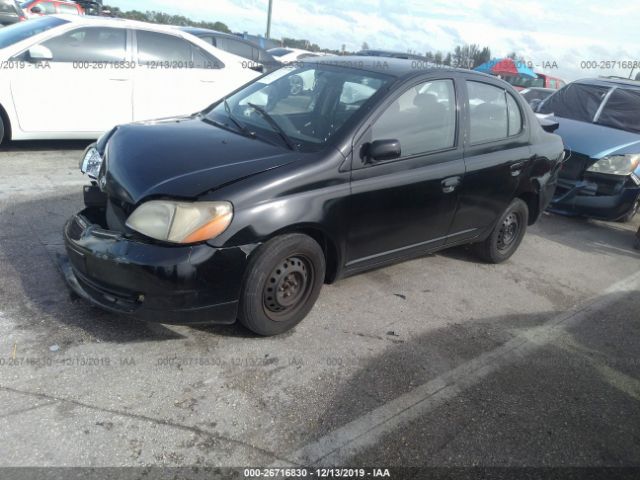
[202, 59]
[161, 48]
[241, 49]
[68, 9]
[90, 44]
[515, 116]
[423, 119]
[488, 112]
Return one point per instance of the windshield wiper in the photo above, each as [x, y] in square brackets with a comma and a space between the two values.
[243, 128]
[279, 130]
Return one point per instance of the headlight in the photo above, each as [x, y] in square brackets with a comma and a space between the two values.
[616, 164]
[91, 163]
[181, 222]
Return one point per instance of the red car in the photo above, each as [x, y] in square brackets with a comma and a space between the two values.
[542, 81]
[37, 8]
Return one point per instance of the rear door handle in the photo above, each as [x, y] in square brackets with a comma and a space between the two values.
[450, 184]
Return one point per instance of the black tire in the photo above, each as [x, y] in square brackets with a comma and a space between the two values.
[1, 129]
[630, 215]
[507, 234]
[283, 281]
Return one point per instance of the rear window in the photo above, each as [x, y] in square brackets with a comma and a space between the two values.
[576, 101]
[23, 30]
[622, 110]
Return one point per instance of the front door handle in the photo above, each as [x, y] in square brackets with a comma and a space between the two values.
[516, 168]
[450, 184]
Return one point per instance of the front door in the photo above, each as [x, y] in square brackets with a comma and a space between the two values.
[84, 88]
[174, 77]
[407, 204]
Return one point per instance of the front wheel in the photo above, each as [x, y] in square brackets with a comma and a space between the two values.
[283, 281]
[507, 234]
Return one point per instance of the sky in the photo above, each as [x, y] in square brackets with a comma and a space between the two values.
[558, 37]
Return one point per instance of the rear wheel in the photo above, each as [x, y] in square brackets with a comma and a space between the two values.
[1, 129]
[507, 234]
[283, 282]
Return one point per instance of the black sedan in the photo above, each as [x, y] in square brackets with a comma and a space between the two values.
[244, 210]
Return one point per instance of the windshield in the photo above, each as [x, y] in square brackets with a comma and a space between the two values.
[576, 101]
[622, 110]
[20, 31]
[301, 106]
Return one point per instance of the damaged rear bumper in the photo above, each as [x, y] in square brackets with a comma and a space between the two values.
[168, 284]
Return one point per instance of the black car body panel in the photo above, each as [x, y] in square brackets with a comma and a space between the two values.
[588, 139]
[362, 213]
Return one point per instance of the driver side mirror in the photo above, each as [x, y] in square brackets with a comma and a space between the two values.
[37, 10]
[381, 150]
[39, 53]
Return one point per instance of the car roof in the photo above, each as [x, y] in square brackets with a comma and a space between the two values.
[397, 67]
[217, 33]
[112, 22]
[610, 82]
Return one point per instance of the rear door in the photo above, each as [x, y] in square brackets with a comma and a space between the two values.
[407, 204]
[496, 156]
[173, 77]
[84, 88]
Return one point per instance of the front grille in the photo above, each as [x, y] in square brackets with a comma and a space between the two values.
[574, 167]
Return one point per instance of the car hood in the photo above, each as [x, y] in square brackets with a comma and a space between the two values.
[596, 141]
[182, 158]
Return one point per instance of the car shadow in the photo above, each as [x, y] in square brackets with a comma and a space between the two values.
[588, 235]
[591, 236]
[43, 145]
[574, 388]
[33, 287]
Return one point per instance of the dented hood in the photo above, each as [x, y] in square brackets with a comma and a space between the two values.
[181, 158]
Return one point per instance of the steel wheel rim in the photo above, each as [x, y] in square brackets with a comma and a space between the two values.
[288, 287]
[509, 231]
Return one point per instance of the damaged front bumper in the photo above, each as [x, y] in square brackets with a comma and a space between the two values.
[596, 196]
[159, 283]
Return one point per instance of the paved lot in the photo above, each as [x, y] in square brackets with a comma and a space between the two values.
[436, 361]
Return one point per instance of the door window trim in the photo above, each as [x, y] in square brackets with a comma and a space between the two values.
[467, 106]
[382, 108]
[218, 64]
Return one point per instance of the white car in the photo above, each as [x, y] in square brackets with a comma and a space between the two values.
[289, 55]
[71, 77]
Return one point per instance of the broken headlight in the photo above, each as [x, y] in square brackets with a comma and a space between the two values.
[91, 163]
[616, 164]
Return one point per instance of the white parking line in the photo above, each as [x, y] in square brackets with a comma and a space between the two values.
[341, 444]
